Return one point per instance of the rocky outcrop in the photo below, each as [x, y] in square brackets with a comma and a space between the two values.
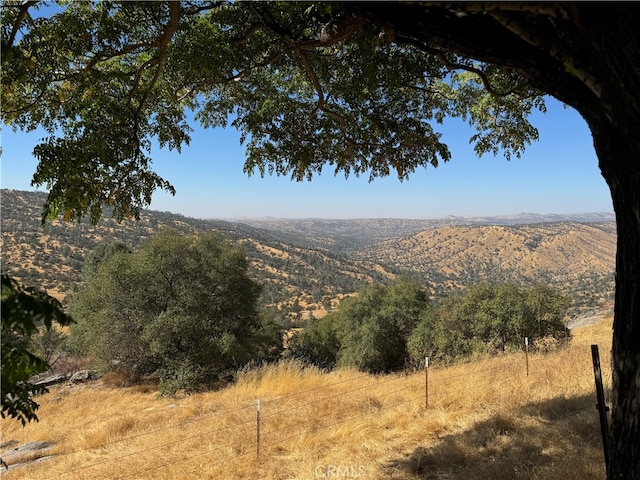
[26, 454]
[49, 380]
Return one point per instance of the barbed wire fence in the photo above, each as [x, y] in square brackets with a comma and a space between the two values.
[257, 426]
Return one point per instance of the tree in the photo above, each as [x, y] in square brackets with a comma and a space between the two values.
[99, 254]
[318, 343]
[489, 318]
[370, 338]
[24, 311]
[500, 316]
[369, 331]
[548, 308]
[180, 307]
[359, 86]
[443, 336]
[507, 316]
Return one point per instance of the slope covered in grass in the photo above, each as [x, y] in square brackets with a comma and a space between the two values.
[485, 419]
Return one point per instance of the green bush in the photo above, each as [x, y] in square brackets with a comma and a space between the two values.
[25, 310]
[369, 331]
[180, 307]
[318, 344]
[490, 318]
[383, 326]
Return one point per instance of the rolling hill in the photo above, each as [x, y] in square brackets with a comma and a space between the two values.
[309, 264]
[577, 257]
[51, 257]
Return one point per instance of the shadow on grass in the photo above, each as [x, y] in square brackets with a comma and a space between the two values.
[556, 439]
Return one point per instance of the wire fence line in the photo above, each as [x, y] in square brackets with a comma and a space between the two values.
[129, 438]
[158, 430]
[174, 461]
[342, 395]
[410, 386]
[339, 422]
[138, 452]
[209, 432]
[330, 397]
[320, 387]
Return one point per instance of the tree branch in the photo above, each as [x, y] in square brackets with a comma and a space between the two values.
[320, 104]
[250, 31]
[455, 30]
[548, 9]
[455, 66]
[342, 31]
[299, 47]
[163, 45]
[16, 24]
[522, 31]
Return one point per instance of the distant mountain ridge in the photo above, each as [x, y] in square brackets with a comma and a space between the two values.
[507, 219]
[309, 264]
[291, 272]
[356, 233]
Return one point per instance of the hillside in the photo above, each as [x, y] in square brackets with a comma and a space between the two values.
[577, 257]
[51, 257]
[355, 234]
[485, 420]
[309, 264]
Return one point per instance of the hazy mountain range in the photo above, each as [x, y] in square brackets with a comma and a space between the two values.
[309, 264]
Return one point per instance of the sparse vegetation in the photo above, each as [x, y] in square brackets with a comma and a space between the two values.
[578, 258]
[292, 265]
[302, 285]
[285, 269]
[486, 420]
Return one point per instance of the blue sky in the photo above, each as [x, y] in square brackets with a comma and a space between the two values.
[557, 174]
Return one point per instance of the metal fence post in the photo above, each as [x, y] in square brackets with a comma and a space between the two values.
[258, 432]
[426, 382]
[526, 353]
[601, 405]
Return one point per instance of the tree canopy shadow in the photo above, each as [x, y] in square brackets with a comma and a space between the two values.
[558, 438]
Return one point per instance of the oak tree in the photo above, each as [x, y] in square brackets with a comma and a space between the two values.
[369, 331]
[180, 307]
[360, 87]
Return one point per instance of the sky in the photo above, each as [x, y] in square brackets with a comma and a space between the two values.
[557, 174]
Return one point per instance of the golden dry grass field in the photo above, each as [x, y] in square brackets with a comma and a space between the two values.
[485, 419]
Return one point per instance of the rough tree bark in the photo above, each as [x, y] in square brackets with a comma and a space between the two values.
[619, 156]
[585, 55]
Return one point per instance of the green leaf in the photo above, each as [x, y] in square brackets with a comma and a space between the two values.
[24, 311]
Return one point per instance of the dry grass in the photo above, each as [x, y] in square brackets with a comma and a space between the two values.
[485, 420]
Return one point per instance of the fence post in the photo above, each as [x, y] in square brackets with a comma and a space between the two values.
[426, 382]
[526, 353]
[601, 405]
[258, 432]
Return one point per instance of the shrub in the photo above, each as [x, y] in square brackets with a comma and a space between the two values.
[181, 307]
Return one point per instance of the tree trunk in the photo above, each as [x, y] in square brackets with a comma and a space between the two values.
[619, 156]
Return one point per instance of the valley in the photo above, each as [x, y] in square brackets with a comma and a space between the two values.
[307, 265]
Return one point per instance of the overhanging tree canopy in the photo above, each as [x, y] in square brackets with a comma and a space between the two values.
[358, 86]
[306, 84]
